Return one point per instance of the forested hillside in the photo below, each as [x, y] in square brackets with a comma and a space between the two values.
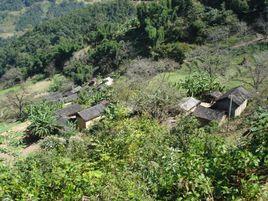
[19, 15]
[135, 100]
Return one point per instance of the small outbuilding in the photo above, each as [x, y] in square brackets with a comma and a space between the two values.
[234, 102]
[206, 115]
[189, 104]
[87, 117]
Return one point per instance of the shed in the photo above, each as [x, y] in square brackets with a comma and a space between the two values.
[189, 104]
[69, 111]
[206, 115]
[233, 101]
[87, 117]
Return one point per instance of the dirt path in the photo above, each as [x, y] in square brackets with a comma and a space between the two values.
[30, 149]
[20, 127]
[6, 157]
[256, 40]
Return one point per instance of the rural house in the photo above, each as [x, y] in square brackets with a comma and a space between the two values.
[206, 115]
[87, 117]
[189, 104]
[233, 102]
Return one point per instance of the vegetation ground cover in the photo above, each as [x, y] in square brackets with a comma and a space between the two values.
[144, 147]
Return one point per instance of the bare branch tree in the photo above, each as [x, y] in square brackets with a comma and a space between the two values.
[256, 71]
[16, 101]
[211, 60]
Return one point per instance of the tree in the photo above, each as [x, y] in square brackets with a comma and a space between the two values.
[210, 60]
[256, 71]
[174, 51]
[17, 101]
[12, 77]
[107, 56]
[79, 71]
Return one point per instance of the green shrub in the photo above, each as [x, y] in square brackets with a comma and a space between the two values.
[58, 81]
[53, 143]
[90, 97]
[77, 148]
[174, 51]
[38, 78]
[80, 72]
[198, 84]
[107, 57]
[43, 120]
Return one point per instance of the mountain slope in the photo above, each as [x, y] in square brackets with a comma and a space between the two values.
[20, 15]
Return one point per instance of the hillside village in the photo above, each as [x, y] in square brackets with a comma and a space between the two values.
[221, 106]
[134, 100]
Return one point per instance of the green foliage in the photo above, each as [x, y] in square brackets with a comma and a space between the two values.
[259, 138]
[198, 84]
[136, 158]
[12, 5]
[156, 101]
[53, 143]
[79, 72]
[51, 44]
[116, 111]
[174, 51]
[90, 97]
[38, 78]
[43, 120]
[107, 57]
[57, 181]
[171, 21]
[57, 82]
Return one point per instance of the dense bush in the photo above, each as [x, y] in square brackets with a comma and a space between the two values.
[93, 96]
[136, 158]
[52, 43]
[157, 101]
[199, 84]
[43, 119]
[80, 72]
[53, 143]
[59, 82]
[107, 56]
[174, 51]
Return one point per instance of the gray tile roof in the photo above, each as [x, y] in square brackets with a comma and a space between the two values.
[238, 95]
[208, 114]
[69, 110]
[93, 112]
